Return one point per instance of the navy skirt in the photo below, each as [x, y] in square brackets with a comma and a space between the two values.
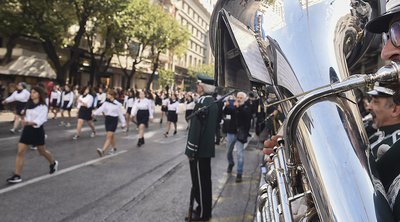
[172, 116]
[142, 117]
[111, 123]
[54, 103]
[32, 136]
[65, 106]
[85, 113]
[19, 107]
[129, 110]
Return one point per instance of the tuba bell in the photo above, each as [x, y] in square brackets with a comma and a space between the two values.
[306, 52]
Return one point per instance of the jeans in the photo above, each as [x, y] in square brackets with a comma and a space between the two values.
[231, 142]
[240, 156]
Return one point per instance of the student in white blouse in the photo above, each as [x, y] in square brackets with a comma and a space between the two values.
[55, 100]
[143, 111]
[172, 116]
[20, 97]
[67, 100]
[85, 106]
[189, 102]
[129, 100]
[33, 133]
[112, 109]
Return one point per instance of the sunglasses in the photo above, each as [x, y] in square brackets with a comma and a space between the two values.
[393, 34]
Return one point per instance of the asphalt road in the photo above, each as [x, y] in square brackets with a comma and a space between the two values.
[150, 183]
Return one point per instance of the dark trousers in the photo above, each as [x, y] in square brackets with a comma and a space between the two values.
[200, 171]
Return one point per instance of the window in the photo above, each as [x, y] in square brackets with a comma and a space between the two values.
[190, 60]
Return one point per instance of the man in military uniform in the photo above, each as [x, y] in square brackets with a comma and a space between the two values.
[385, 109]
[200, 148]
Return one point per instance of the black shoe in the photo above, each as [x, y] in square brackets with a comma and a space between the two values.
[230, 167]
[175, 132]
[14, 179]
[142, 140]
[139, 143]
[238, 178]
[53, 167]
[197, 218]
[166, 134]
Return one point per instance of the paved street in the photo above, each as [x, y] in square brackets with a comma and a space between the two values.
[150, 183]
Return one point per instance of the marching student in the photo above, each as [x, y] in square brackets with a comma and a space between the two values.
[172, 117]
[101, 97]
[55, 98]
[128, 104]
[33, 133]
[112, 109]
[67, 100]
[85, 106]
[143, 111]
[20, 97]
[164, 105]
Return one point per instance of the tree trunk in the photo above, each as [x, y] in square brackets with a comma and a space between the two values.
[12, 41]
[130, 76]
[53, 56]
[155, 67]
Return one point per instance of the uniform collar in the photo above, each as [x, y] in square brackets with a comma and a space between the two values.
[390, 129]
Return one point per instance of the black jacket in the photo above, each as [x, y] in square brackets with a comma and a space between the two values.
[243, 117]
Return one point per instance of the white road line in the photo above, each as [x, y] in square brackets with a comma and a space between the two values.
[9, 138]
[60, 172]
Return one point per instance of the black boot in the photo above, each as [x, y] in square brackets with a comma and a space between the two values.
[139, 142]
[142, 140]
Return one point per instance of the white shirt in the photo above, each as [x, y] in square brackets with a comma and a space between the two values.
[129, 101]
[165, 102]
[101, 97]
[113, 108]
[142, 104]
[174, 106]
[67, 97]
[190, 105]
[85, 101]
[38, 115]
[55, 94]
[23, 96]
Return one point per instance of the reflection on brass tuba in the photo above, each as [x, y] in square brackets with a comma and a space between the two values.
[307, 51]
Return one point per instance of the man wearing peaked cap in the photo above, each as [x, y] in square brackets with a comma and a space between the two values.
[200, 148]
[385, 110]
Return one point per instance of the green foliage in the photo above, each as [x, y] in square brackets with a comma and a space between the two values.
[204, 69]
[165, 77]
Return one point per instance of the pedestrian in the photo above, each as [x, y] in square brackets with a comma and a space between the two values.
[113, 110]
[20, 97]
[230, 123]
[385, 110]
[164, 106]
[101, 97]
[33, 133]
[200, 148]
[142, 110]
[85, 106]
[55, 100]
[128, 104]
[243, 124]
[67, 100]
[172, 116]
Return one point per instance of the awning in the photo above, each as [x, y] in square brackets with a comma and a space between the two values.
[29, 66]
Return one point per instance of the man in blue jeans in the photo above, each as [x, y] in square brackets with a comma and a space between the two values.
[237, 131]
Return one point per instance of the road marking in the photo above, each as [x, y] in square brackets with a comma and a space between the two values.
[9, 138]
[60, 172]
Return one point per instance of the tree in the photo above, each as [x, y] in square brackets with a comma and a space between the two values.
[167, 35]
[135, 21]
[103, 29]
[12, 26]
[166, 77]
[204, 69]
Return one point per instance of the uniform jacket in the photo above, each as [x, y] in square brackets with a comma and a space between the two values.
[201, 136]
[385, 148]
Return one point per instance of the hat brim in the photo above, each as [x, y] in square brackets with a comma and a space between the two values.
[381, 24]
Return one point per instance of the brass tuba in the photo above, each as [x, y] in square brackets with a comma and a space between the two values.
[308, 51]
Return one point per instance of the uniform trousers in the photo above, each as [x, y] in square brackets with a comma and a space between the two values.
[200, 171]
